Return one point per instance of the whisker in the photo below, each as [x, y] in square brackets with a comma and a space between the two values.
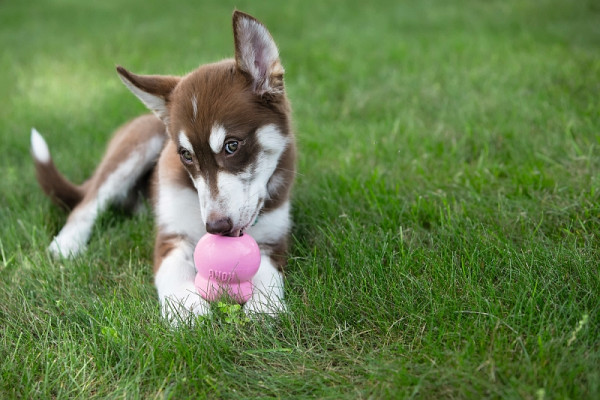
[296, 173]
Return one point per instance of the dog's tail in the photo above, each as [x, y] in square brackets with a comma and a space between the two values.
[62, 192]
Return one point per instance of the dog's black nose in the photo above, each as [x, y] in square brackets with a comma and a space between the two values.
[221, 226]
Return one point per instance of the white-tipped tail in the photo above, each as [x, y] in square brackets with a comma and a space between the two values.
[39, 147]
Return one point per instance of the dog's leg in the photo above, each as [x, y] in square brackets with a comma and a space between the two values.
[72, 238]
[271, 230]
[179, 227]
[267, 294]
[174, 280]
[132, 152]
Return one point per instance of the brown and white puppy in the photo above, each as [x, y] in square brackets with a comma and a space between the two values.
[219, 158]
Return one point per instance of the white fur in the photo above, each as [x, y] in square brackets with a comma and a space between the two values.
[272, 145]
[175, 285]
[235, 200]
[177, 211]
[113, 189]
[72, 238]
[39, 147]
[272, 226]
[185, 142]
[267, 292]
[195, 107]
[202, 196]
[271, 139]
[217, 138]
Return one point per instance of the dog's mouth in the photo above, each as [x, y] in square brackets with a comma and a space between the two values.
[235, 233]
[225, 226]
[240, 231]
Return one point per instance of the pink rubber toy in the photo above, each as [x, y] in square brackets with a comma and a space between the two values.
[226, 266]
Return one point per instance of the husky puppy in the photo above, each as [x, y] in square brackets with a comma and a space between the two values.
[217, 155]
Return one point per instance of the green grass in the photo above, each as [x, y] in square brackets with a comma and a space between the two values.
[447, 208]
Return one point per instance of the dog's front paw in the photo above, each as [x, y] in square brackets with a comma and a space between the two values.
[261, 304]
[184, 307]
[62, 247]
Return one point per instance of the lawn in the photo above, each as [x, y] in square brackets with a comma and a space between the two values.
[447, 207]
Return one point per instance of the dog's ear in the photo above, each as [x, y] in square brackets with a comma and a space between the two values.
[152, 90]
[256, 54]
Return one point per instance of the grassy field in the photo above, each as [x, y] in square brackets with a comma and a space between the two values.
[447, 207]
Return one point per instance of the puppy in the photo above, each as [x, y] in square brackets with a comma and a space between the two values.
[217, 155]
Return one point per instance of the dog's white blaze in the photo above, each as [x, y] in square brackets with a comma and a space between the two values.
[177, 211]
[185, 142]
[217, 138]
[39, 147]
[267, 292]
[235, 199]
[203, 196]
[273, 225]
[174, 283]
[74, 235]
[195, 106]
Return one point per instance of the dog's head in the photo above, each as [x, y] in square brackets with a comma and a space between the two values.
[231, 126]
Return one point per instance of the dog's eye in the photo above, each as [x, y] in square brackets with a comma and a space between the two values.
[231, 146]
[186, 156]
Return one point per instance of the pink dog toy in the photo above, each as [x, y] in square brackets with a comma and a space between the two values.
[226, 266]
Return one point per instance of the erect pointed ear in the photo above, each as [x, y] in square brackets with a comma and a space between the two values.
[256, 54]
[152, 90]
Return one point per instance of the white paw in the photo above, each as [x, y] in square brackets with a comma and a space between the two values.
[260, 303]
[184, 307]
[61, 248]
[267, 292]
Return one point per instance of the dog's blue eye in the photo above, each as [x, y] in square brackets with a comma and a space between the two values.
[231, 146]
[186, 156]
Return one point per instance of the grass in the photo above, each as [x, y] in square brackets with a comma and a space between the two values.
[447, 207]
